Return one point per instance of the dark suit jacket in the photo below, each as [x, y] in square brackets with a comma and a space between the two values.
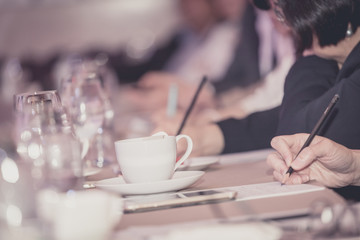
[309, 87]
[305, 101]
[256, 130]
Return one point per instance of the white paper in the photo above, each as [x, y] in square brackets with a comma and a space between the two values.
[271, 189]
[250, 230]
[206, 229]
[242, 157]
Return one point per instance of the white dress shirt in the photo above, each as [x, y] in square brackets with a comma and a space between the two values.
[270, 92]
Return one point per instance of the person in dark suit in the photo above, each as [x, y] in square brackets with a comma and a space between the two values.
[332, 33]
[256, 130]
[310, 84]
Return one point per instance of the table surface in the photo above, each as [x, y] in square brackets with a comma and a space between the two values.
[233, 170]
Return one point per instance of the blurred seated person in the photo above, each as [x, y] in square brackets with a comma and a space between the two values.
[239, 102]
[332, 33]
[310, 84]
[277, 42]
[216, 41]
[325, 161]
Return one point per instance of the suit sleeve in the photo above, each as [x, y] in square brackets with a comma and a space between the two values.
[251, 133]
[310, 85]
[256, 131]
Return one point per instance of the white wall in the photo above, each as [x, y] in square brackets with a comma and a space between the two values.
[41, 29]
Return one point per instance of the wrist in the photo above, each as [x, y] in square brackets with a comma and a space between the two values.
[212, 142]
[356, 158]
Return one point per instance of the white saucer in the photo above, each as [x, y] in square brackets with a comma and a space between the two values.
[198, 163]
[180, 180]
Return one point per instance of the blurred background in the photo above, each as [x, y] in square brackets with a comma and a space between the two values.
[39, 39]
[138, 63]
[41, 29]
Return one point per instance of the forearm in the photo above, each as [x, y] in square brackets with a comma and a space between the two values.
[213, 143]
[207, 139]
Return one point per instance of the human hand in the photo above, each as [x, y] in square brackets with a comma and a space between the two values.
[156, 85]
[150, 93]
[325, 161]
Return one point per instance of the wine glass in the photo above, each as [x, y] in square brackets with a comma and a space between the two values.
[98, 147]
[29, 108]
[45, 138]
[87, 108]
[61, 152]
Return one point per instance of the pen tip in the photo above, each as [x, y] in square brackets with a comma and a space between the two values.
[285, 178]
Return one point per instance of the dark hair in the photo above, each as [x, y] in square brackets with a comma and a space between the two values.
[327, 19]
[262, 4]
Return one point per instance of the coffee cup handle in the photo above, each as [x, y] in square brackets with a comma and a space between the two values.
[188, 150]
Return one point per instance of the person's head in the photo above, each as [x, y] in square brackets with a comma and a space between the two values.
[323, 22]
[229, 9]
[269, 6]
[198, 14]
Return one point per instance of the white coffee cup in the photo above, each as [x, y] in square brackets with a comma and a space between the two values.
[150, 159]
[90, 214]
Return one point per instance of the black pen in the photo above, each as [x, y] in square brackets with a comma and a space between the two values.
[313, 133]
[191, 106]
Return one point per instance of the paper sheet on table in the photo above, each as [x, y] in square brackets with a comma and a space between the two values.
[244, 192]
[271, 189]
[207, 229]
[242, 157]
[255, 231]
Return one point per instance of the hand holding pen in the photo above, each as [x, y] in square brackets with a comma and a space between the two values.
[286, 146]
[325, 161]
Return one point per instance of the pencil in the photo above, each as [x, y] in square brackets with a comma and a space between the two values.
[313, 133]
[191, 106]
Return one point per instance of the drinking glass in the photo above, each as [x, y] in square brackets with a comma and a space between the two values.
[61, 152]
[24, 100]
[89, 84]
[87, 109]
[45, 138]
[29, 108]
